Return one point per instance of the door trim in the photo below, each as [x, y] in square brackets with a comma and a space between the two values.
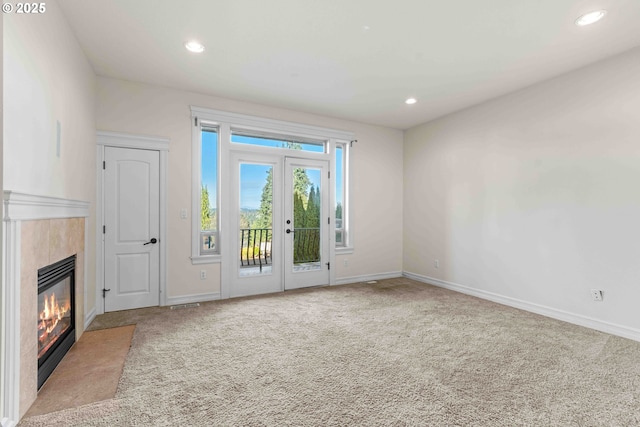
[138, 142]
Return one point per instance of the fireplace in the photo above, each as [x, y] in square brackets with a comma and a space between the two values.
[56, 317]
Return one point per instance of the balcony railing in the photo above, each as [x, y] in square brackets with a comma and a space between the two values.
[306, 245]
[255, 246]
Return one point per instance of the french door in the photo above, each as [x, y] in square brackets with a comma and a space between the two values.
[279, 222]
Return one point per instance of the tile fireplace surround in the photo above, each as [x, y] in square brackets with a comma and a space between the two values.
[38, 231]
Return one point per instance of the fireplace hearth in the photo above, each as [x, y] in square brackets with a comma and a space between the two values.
[56, 317]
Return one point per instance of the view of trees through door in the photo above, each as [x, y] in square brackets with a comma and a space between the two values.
[256, 220]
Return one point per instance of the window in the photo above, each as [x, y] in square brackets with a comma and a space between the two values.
[341, 195]
[217, 135]
[209, 238]
[264, 139]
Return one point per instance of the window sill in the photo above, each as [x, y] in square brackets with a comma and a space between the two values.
[344, 250]
[205, 259]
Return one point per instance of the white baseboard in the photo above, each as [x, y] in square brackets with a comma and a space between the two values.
[577, 319]
[188, 299]
[88, 318]
[368, 277]
[6, 422]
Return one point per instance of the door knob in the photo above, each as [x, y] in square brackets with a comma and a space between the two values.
[289, 231]
[151, 242]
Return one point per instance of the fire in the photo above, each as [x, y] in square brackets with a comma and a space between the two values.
[50, 317]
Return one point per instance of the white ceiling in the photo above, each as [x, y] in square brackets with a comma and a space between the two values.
[352, 59]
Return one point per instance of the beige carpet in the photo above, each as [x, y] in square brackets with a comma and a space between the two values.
[396, 353]
[89, 372]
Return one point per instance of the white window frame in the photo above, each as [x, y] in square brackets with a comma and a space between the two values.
[197, 257]
[347, 237]
[225, 122]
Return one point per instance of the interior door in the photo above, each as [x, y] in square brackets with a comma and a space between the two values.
[132, 225]
[306, 211]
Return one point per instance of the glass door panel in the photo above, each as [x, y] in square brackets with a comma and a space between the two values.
[255, 219]
[306, 238]
[306, 218]
[256, 224]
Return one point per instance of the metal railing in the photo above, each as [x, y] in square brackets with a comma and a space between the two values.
[255, 246]
[306, 245]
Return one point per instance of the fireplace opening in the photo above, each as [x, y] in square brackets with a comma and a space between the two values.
[56, 317]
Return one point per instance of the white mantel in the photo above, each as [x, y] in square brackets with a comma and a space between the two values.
[19, 207]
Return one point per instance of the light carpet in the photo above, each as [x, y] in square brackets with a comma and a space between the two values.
[396, 353]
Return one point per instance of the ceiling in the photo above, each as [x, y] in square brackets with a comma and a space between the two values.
[352, 59]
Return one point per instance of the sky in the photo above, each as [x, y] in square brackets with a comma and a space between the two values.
[253, 176]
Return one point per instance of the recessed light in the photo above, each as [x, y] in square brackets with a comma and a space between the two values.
[590, 18]
[410, 101]
[194, 46]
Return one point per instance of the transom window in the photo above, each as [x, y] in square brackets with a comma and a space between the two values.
[265, 139]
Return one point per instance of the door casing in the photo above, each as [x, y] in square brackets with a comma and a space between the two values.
[113, 139]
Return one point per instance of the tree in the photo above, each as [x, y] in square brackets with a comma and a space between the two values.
[205, 209]
[264, 219]
[301, 183]
[312, 217]
[339, 211]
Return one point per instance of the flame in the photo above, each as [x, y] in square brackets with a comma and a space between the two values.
[49, 318]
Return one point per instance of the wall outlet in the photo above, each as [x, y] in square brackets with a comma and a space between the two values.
[203, 274]
[346, 262]
[436, 263]
[183, 213]
[596, 294]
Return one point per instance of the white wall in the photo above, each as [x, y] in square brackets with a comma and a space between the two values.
[377, 174]
[47, 79]
[535, 196]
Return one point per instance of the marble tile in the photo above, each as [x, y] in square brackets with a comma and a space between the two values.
[60, 246]
[34, 255]
[76, 234]
[79, 294]
[34, 238]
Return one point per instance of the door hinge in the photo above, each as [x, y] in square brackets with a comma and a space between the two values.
[104, 229]
[329, 174]
[328, 266]
[104, 165]
[329, 220]
[195, 121]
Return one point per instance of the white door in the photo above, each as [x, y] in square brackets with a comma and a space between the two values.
[272, 195]
[306, 211]
[132, 225]
[256, 221]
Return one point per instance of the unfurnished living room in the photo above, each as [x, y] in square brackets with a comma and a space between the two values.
[320, 213]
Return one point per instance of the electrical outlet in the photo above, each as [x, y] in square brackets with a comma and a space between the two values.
[203, 274]
[436, 263]
[346, 262]
[596, 294]
[183, 213]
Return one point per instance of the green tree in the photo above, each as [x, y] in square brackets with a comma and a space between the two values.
[205, 209]
[301, 183]
[264, 218]
[298, 211]
[312, 217]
